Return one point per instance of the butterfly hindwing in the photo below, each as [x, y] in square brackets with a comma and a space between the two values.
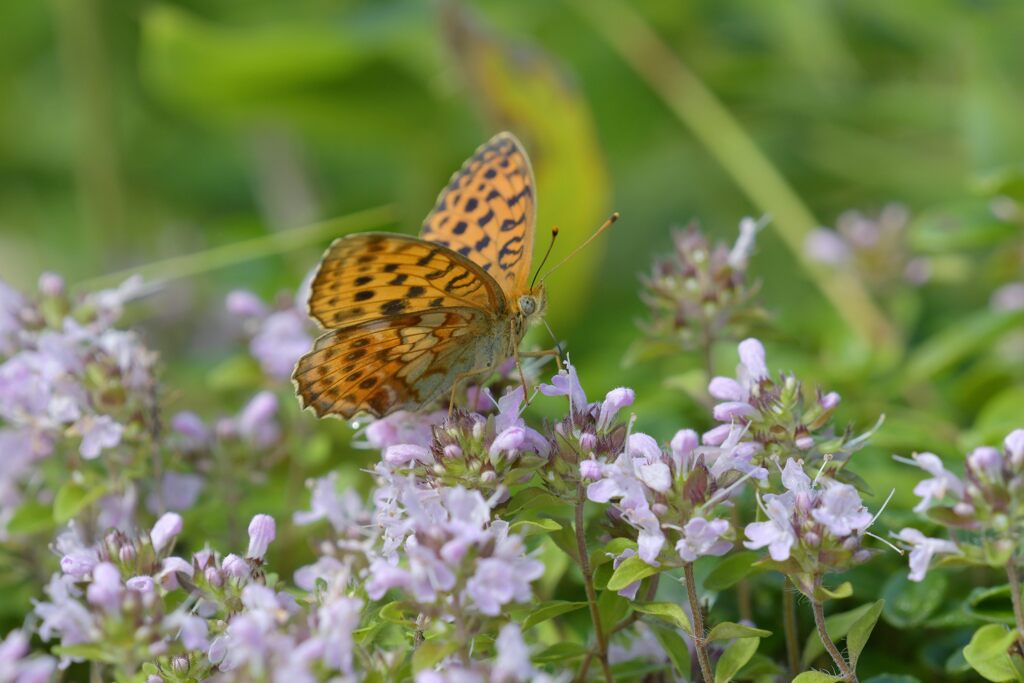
[371, 276]
[402, 362]
[487, 212]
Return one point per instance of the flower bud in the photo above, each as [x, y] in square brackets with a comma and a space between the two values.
[213, 577]
[165, 530]
[262, 531]
[180, 665]
[245, 304]
[588, 442]
[590, 470]
[140, 584]
[752, 357]
[235, 566]
[51, 284]
[452, 451]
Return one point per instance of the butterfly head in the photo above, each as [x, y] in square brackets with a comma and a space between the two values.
[533, 304]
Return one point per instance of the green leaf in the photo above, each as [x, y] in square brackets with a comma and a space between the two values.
[837, 626]
[668, 612]
[93, 652]
[532, 499]
[861, 630]
[632, 569]
[909, 603]
[969, 336]
[954, 229]
[734, 657]
[677, 650]
[560, 652]
[843, 590]
[430, 652]
[732, 569]
[727, 630]
[530, 527]
[992, 604]
[611, 608]
[892, 678]
[987, 653]
[237, 372]
[399, 612]
[565, 539]
[31, 518]
[816, 677]
[73, 497]
[550, 610]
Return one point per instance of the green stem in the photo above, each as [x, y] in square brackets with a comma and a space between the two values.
[189, 265]
[837, 656]
[699, 642]
[790, 628]
[588, 584]
[1018, 611]
[697, 107]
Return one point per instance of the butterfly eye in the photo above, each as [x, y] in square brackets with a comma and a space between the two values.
[527, 304]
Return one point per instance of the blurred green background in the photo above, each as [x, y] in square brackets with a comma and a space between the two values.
[134, 132]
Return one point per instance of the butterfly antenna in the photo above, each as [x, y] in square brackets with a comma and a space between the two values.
[551, 245]
[554, 338]
[597, 233]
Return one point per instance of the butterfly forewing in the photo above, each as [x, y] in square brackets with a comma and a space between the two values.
[487, 212]
[378, 275]
[402, 362]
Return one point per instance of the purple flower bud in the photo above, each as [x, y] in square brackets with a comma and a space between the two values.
[963, 509]
[262, 531]
[614, 401]
[986, 463]
[588, 442]
[717, 436]
[235, 566]
[51, 284]
[402, 454]
[1014, 443]
[682, 445]
[140, 584]
[731, 410]
[829, 401]
[126, 554]
[511, 439]
[752, 358]
[170, 568]
[180, 664]
[590, 470]
[105, 589]
[452, 451]
[165, 530]
[191, 427]
[213, 577]
[643, 446]
[804, 442]
[825, 246]
[256, 421]
[153, 678]
[78, 563]
[245, 304]
[726, 389]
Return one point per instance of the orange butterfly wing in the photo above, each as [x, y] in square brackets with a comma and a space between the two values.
[402, 362]
[378, 275]
[488, 211]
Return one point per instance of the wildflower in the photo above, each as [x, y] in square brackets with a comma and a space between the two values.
[165, 530]
[923, 549]
[262, 531]
[777, 533]
[701, 538]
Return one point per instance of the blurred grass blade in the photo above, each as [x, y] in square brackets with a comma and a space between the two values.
[969, 337]
[178, 267]
[698, 108]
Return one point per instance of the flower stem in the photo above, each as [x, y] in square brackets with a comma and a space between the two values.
[789, 626]
[588, 584]
[1018, 610]
[699, 643]
[837, 656]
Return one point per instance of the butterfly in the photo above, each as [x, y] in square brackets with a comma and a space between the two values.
[407, 319]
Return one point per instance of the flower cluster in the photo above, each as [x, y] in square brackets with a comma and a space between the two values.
[814, 528]
[875, 248]
[279, 335]
[68, 378]
[701, 293]
[455, 556]
[495, 451]
[779, 421]
[986, 507]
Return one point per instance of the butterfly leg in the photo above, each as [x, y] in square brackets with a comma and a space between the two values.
[455, 385]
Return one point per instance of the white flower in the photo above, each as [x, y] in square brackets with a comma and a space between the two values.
[923, 549]
[701, 538]
[777, 532]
